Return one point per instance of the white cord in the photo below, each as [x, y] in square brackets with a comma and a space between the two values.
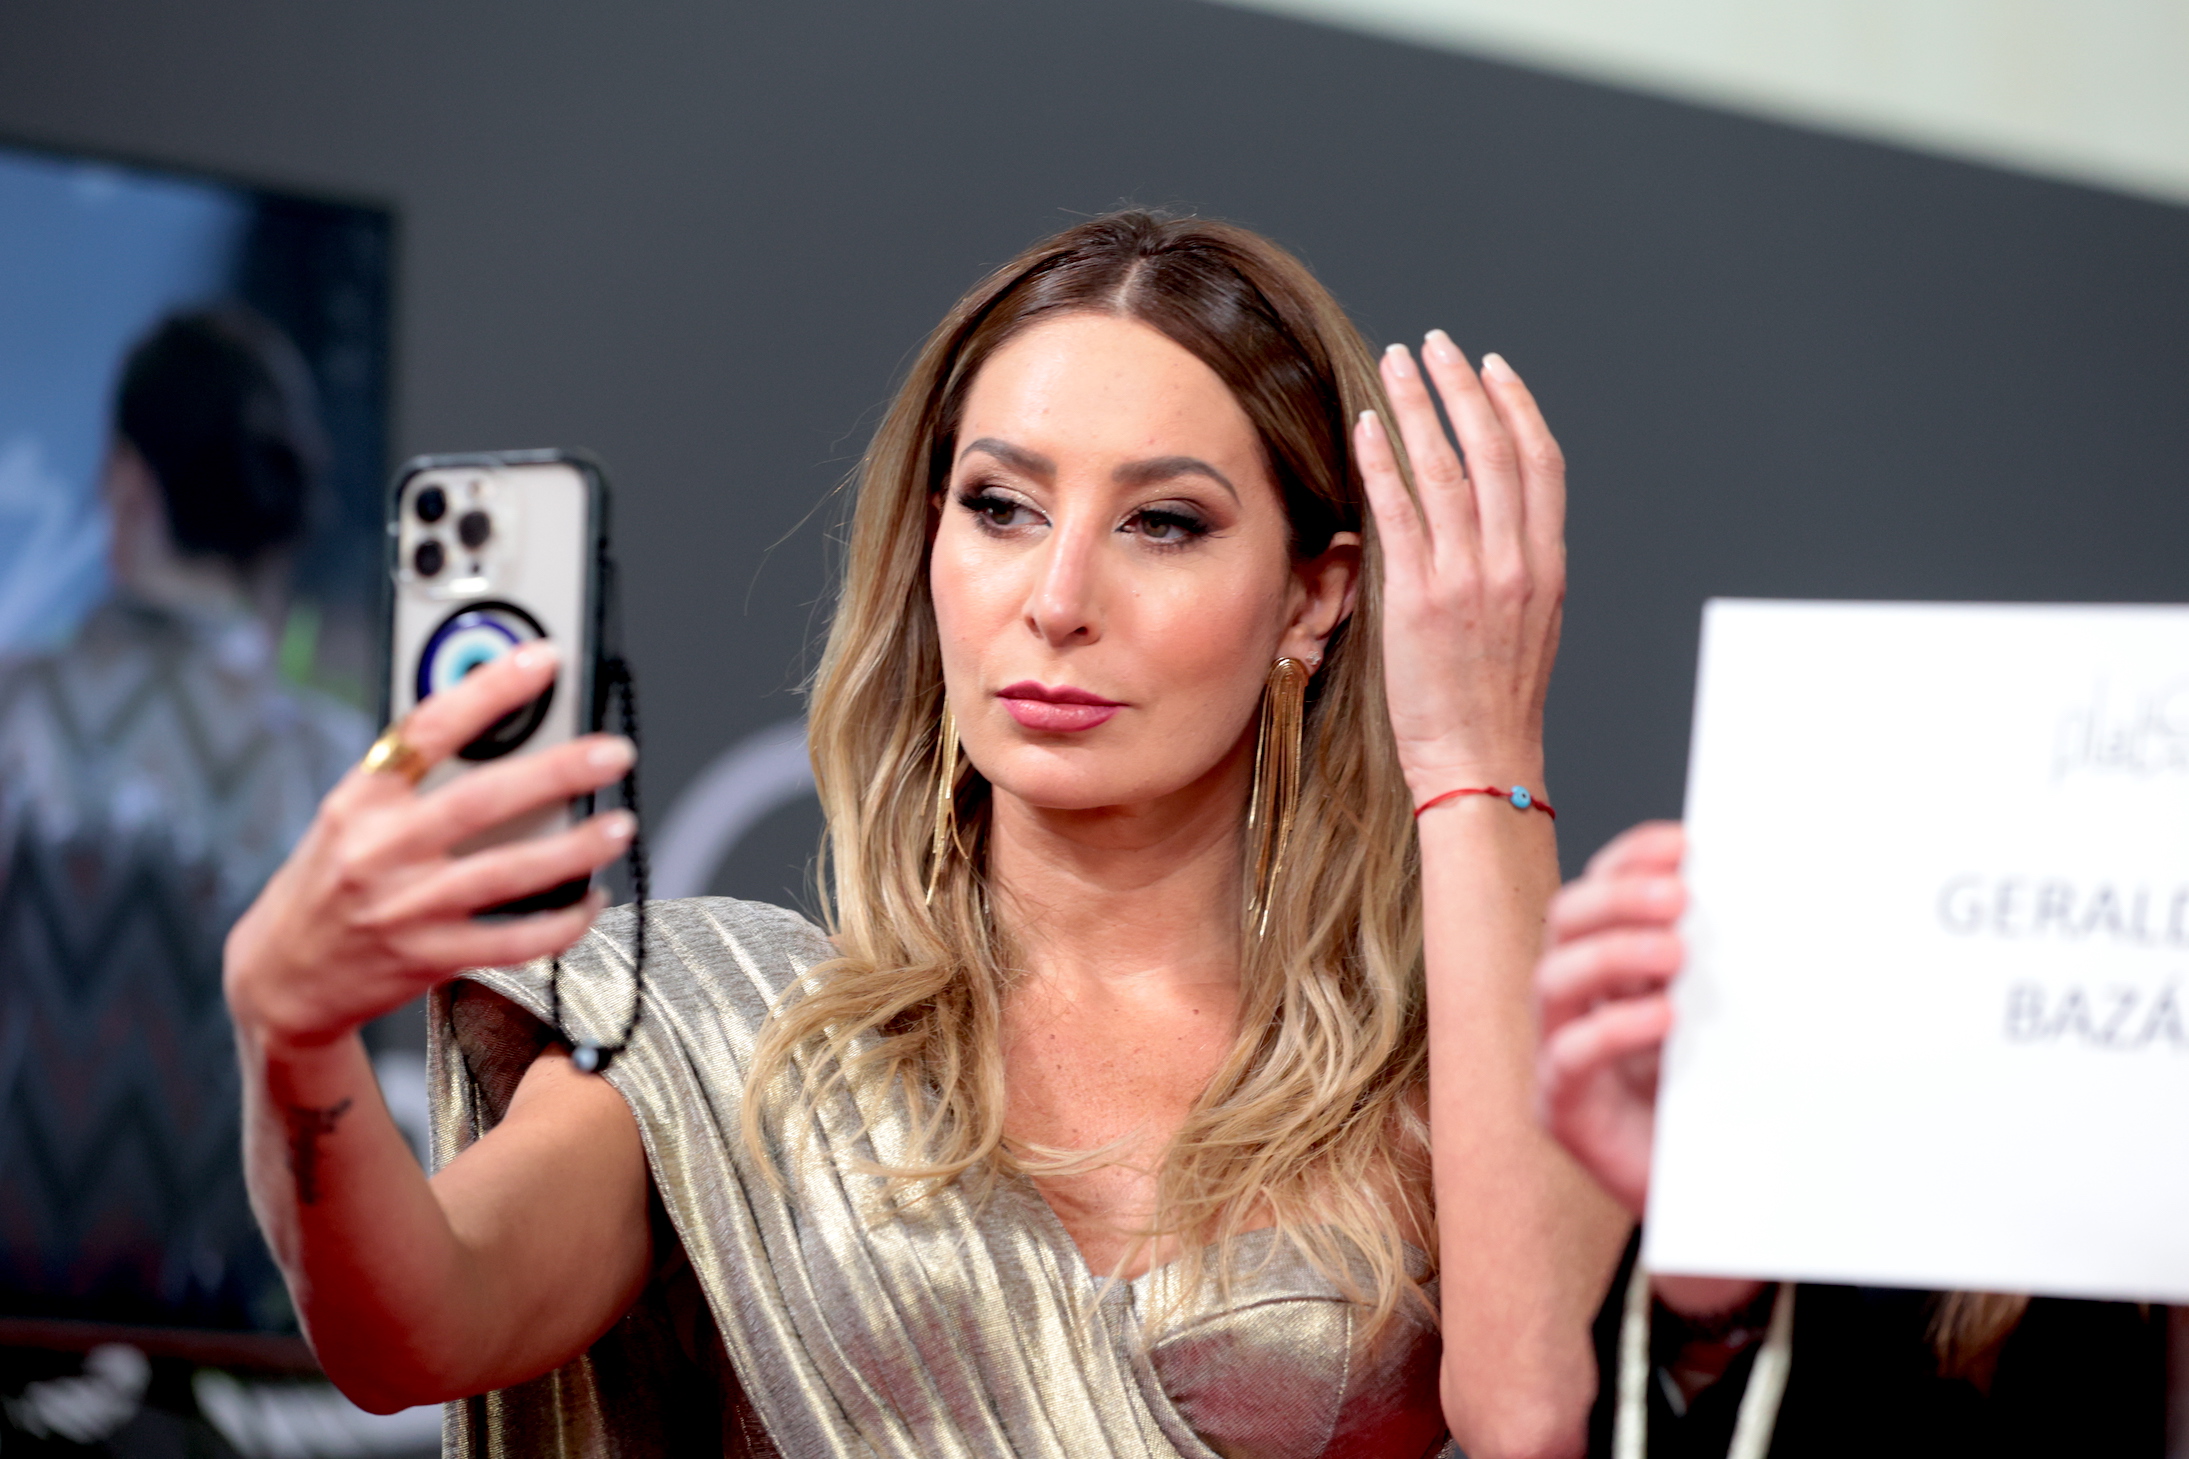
[1759, 1411]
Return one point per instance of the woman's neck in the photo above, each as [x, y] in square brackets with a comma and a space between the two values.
[1125, 893]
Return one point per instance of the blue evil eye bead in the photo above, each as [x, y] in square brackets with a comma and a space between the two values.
[470, 640]
[586, 1057]
[1520, 798]
[467, 641]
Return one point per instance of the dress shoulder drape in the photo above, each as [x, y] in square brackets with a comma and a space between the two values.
[948, 1329]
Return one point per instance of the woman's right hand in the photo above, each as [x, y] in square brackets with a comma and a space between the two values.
[1601, 989]
[372, 908]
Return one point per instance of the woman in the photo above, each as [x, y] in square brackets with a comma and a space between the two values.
[1137, 969]
[1864, 1370]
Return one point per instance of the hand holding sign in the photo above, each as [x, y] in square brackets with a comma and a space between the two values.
[1931, 1030]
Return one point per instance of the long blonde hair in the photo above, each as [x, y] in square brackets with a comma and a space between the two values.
[1311, 1122]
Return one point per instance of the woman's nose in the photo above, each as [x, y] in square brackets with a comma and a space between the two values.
[1063, 607]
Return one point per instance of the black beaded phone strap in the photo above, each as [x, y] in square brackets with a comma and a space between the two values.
[618, 686]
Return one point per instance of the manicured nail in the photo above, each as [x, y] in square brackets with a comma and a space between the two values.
[1401, 363]
[1495, 367]
[535, 654]
[1367, 417]
[618, 825]
[1439, 345]
[613, 754]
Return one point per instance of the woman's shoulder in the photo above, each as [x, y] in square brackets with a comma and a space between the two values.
[708, 938]
[697, 921]
[739, 957]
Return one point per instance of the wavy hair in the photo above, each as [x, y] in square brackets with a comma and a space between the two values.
[1312, 1121]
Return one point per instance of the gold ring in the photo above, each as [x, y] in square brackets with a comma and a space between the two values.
[391, 754]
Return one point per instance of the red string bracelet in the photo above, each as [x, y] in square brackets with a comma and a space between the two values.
[1518, 796]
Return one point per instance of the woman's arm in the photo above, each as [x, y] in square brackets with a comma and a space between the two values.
[527, 1247]
[509, 1263]
[1475, 583]
[1528, 1243]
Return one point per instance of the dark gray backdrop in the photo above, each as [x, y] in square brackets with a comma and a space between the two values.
[702, 237]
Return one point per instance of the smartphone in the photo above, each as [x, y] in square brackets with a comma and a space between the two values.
[487, 553]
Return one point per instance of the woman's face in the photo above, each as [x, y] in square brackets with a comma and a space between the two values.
[1111, 571]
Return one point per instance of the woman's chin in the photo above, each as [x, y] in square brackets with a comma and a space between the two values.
[1078, 797]
[1116, 784]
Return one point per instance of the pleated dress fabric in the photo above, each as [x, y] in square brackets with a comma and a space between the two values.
[808, 1319]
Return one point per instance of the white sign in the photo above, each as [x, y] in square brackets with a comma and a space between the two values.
[1934, 1026]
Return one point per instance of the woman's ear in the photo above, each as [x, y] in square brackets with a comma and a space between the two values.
[1326, 584]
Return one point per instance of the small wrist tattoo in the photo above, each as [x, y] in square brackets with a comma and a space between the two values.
[306, 1127]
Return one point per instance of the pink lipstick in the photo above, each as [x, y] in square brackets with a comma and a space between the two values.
[1063, 709]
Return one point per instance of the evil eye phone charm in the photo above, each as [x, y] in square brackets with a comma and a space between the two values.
[469, 639]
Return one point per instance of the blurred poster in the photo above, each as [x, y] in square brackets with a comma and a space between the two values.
[193, 383]
[1934, 1027]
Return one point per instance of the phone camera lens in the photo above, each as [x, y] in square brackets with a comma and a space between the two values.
[431, 505]
[429, 559]
[473, 528]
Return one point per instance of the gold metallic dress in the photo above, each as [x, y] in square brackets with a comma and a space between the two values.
[808, 1320]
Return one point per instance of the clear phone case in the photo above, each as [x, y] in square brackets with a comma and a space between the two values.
[488, 553]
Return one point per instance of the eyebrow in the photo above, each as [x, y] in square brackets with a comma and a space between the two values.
[1018, 458]
[1164, 468]
[1132, 473]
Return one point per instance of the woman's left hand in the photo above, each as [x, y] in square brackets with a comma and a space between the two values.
[1475, 576]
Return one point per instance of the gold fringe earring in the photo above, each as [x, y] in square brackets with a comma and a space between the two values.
[1275, 798]
[946, 801]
